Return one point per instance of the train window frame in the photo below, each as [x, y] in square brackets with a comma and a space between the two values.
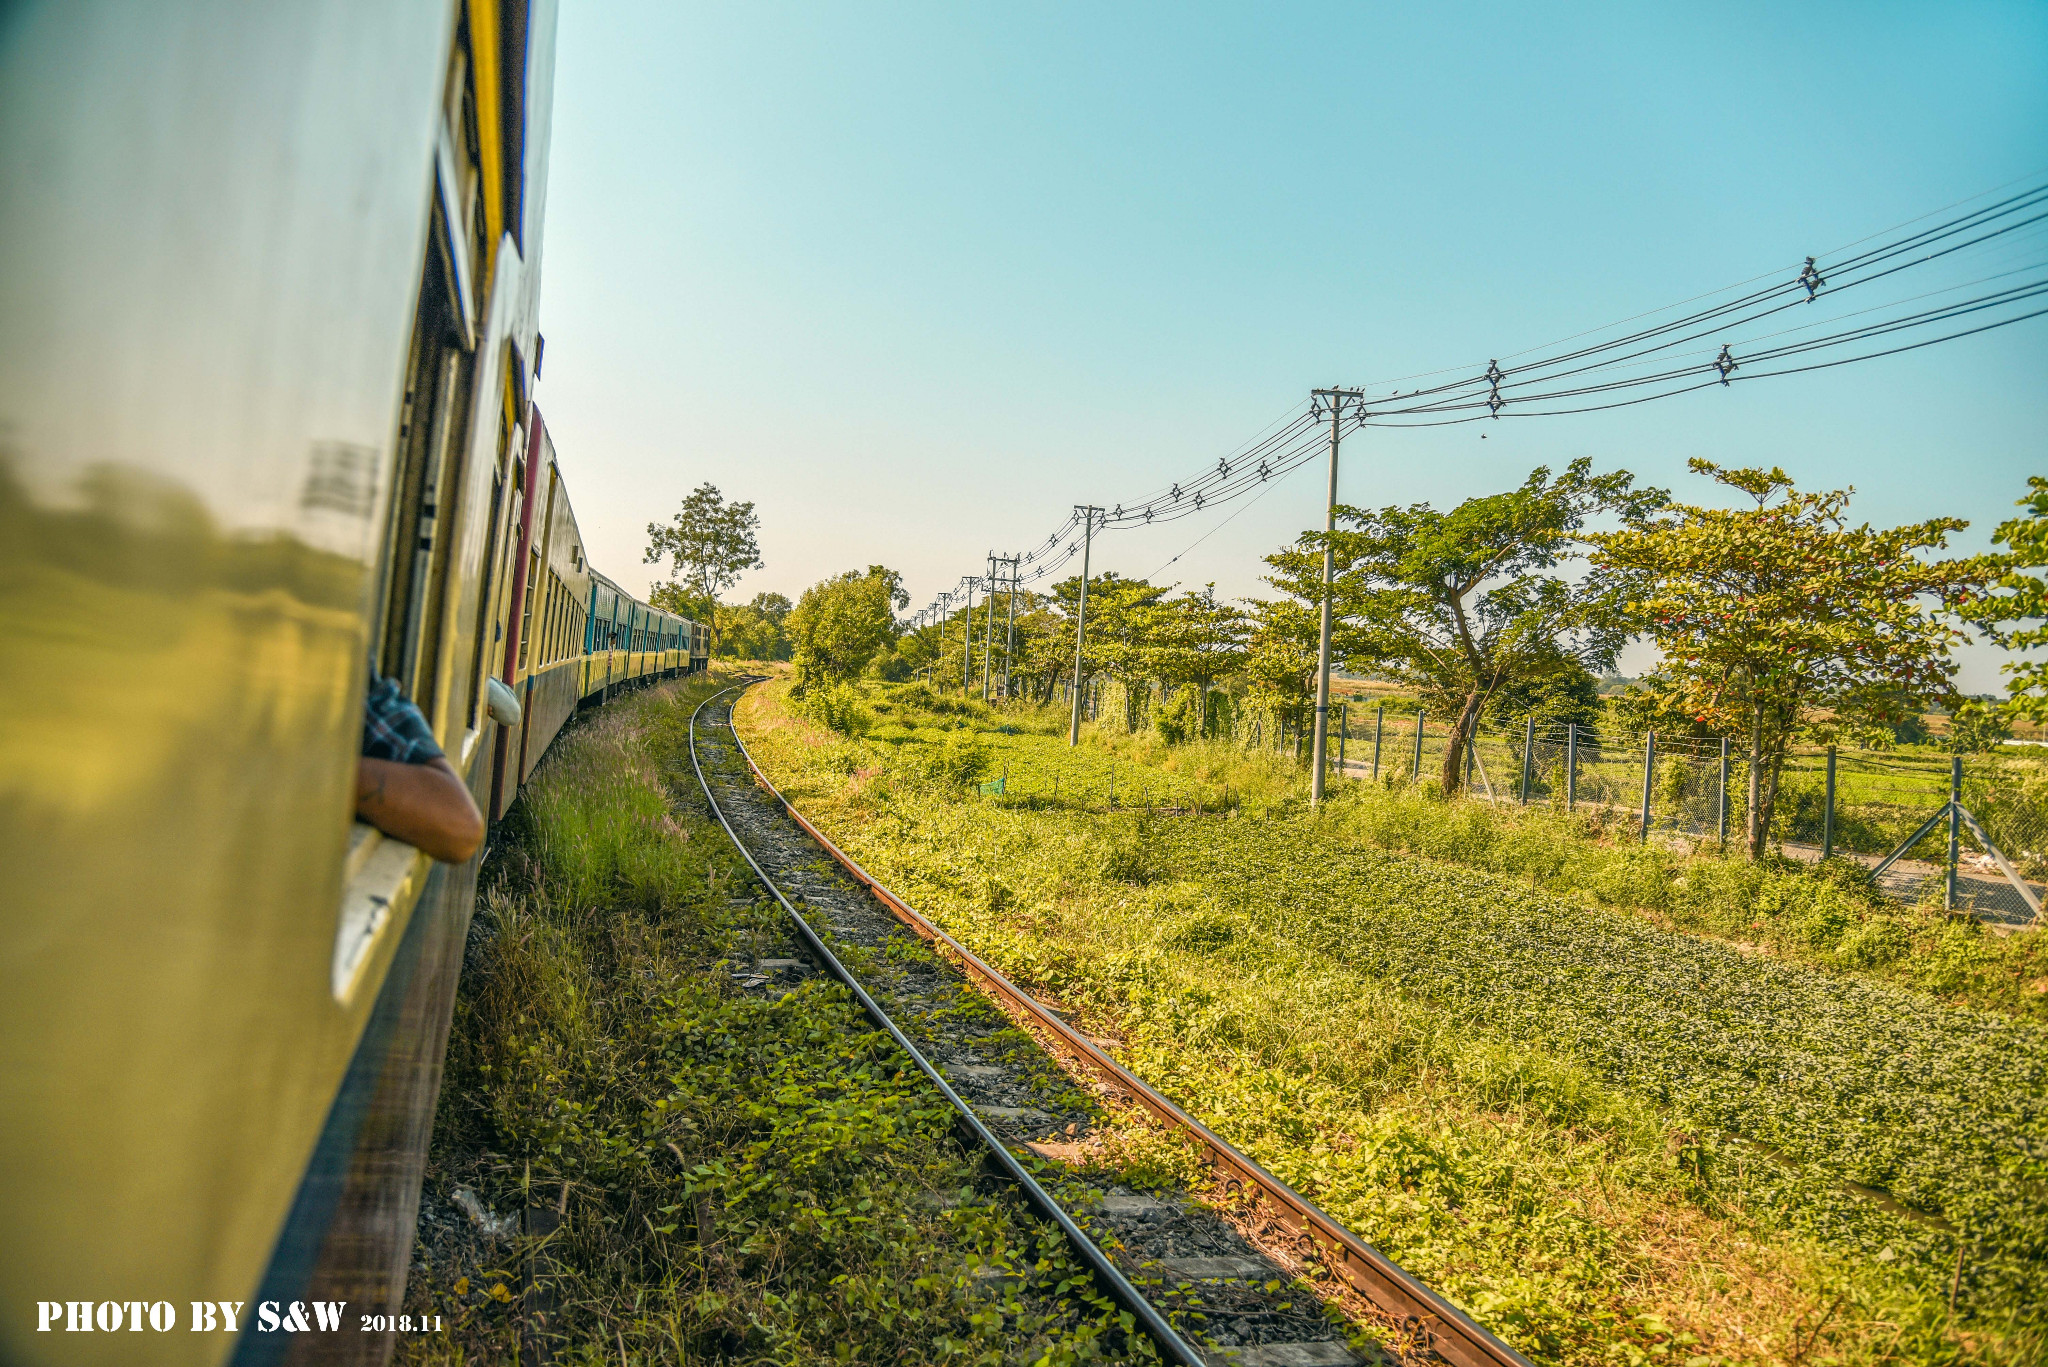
[408, 614]
[526, 608]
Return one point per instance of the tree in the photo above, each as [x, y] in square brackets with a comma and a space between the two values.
[842, 623]
[1198, 640]
[1976, 728]
[1195, 641]
[1768, 612]
[1119, 636]
[2024, 598]
[710, 543]
[1045, 646]
[1568, 694]
[1456, 604]
[753, 631]
[1280, 660]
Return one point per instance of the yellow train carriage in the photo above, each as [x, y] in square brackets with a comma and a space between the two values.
[268, 280]
[577, 635]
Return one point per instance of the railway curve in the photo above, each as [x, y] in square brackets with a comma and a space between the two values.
[1246, 1312]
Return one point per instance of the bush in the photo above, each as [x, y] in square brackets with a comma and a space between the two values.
[889, 667]
[839, 707]
[954, 760]
[1181, 719]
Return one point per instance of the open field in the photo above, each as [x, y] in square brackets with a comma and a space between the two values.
[1513, 1062]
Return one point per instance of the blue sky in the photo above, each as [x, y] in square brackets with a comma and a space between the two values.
[917, 278]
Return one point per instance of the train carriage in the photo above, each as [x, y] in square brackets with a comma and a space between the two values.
[269, 282]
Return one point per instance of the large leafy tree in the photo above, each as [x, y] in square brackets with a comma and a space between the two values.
[1197, 640]
[709, 544]
[2021, 597]
[1768, 612]
[1464, 604]
[1280, 659]
[1045, 645]
[1120, 636]
[754, 631]
[842, 623]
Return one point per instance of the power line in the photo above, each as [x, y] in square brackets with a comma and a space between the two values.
[1291, 440]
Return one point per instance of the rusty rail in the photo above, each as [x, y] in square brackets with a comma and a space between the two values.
[1442, 1327]
[1171, 1345]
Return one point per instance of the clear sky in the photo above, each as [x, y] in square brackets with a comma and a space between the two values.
[916, 278]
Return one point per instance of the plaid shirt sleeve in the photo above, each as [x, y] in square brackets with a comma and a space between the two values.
[393, 728]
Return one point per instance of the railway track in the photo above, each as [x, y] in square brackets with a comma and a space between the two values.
[1194, 1284]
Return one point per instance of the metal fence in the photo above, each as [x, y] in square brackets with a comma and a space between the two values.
[1890, 809]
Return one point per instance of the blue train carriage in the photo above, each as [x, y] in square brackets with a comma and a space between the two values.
[267, 344]
[629, 642]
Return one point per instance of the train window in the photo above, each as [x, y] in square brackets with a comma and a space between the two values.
[406, 625]
[494, 600]
[416, 552]
[533, 591]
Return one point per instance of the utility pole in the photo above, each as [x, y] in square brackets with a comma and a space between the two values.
[1010, 626]
[1337, 401]
[988, 636]
[1088, 514]
[967, 644]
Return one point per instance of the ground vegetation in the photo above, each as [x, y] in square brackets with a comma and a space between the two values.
[641, 1156]
[1624, 1103]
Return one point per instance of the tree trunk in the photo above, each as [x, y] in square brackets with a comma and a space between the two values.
[1454, 746]
[1766, 766]
[1753, 832]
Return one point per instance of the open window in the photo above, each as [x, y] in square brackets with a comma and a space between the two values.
[380, 875]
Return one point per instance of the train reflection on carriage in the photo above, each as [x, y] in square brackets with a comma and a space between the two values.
[269, 283]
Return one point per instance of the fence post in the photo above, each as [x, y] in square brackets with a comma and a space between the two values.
[1571, 764]
[1649, 772]
[1379, 726]
[1471, 753]
[1528, 754]
[1343, 730]
[1955, 823]
[1722, 804]
[1827, 812]
[1416, 776]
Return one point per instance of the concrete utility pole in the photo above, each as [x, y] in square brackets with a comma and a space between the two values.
[1010, 625]
[967, 643]
[1088, 514]
[1338, 401]
[988, 635]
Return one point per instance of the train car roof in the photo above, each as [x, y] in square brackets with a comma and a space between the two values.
[640, 602]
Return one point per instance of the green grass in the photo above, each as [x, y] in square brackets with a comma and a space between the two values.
[742, 1179]
[1498, 1055]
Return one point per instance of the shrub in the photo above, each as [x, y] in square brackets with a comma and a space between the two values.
[954, 760]
[839, 707]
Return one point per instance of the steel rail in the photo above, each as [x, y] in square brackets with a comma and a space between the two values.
[1155, 1325]
[1443, 1328]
